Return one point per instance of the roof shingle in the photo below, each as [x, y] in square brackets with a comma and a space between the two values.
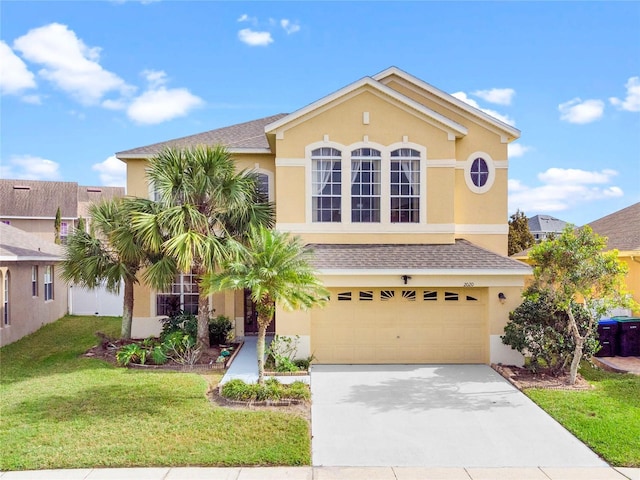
[242, 135]
[16, 244]
[622, 228]
[461, 255]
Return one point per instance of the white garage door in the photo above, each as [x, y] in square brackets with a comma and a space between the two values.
[402, 325]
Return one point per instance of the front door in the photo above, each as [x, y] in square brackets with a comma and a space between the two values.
[251, 317]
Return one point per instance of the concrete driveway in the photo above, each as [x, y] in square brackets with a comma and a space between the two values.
[433, 416]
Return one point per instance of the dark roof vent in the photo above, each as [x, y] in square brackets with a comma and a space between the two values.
[21, 187]
[94, 190]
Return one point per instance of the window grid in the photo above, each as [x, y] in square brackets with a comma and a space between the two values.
[405, 186]
[263, 185]
[48, 283]
[479, 172]
[365, 185]
[64, 232]
[34, 280]
[181, 296]
[326, 184]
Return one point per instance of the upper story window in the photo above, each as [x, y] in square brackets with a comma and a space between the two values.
[479, 172]
[263, 185]
[365, 185]
[48, 283]
[64, 232]
[326, 184]
[405, 186]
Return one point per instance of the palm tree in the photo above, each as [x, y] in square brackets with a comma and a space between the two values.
[275, 267]
[201, 203]
[109, 254]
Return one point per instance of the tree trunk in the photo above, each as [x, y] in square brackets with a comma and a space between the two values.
[203, 321]
[262, 331]
[577, 351]
[127, 310]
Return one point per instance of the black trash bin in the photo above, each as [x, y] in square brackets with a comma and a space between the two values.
[607, 331]
[628, 344]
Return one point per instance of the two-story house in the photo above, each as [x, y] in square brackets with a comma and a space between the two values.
[402, 191]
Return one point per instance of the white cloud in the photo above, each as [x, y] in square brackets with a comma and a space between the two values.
[32, 99]
[69, 63]
[470, 101]
[15, 77]
[113, 172]
[577, 111]
[289, 27]
[501, 96]
[518, 150]
[159, 104]
[255, 39]
[29, 167]
[632, 102]
[246, 18]
[562, 189]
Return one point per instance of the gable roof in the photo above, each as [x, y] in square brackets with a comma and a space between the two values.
[545, 223]
[33, 198]
[17, 245]
[247, 136]
[622, 228]
[459, 256]
[391, 71]
[436, 118]
[41, 199]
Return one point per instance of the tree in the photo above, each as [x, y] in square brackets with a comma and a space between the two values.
[202, 202]
[520, 237]
[110, 254]
[57, 223]
[572, 267]
[81, 224]
[275, 267]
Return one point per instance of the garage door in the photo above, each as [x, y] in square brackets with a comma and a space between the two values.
[439, 325]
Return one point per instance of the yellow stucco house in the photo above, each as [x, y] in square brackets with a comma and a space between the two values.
[402, 191]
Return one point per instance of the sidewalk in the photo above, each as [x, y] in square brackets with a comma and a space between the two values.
[245, 365]
[329, 473]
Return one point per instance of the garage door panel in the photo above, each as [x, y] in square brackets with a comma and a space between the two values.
[399, 330]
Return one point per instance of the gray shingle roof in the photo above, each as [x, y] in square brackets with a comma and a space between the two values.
[35, 198]
[16, 244]
[242, 135]
[461, 255]
[622, 228]
[546, 223]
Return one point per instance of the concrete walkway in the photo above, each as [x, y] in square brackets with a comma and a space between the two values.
[245, 365]
[329, 473]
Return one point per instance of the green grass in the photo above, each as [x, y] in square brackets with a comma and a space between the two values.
[606, 418]
[61, 410]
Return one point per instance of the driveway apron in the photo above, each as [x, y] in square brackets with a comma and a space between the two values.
[433, 416]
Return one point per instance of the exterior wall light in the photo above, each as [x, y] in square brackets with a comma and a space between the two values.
[502, 297]
[405, 278]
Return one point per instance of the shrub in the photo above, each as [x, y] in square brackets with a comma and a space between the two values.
[272, 389]
[185, 323]
[219, 329]
[538, 330]
[282, 350]
[181, 348]
[304, 363]
[131, 353]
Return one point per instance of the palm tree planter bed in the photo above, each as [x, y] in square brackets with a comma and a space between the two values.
[299, 373]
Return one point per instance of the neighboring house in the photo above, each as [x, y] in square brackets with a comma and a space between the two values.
[622, 229]
[32, 293]
[31, 205]
[542, 226]
[401, 189]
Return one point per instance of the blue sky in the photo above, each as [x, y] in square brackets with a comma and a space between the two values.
[83, 80]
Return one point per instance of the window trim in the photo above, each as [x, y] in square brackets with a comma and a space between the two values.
[270, 181]
[490, 178]
[48, 282]
[34, 281]
[181, 295]
[373, 159]
[343, 175]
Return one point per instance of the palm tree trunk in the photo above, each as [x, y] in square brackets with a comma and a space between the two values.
[262, 330]
[127, 309]
[203, 321]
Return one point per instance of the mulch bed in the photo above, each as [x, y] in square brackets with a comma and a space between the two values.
[522, 378]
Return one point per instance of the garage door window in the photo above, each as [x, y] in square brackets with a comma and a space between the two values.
[409, 295]
[430, 296]
[386, 295]
[366, 296]
[344, 297]
[450, 297]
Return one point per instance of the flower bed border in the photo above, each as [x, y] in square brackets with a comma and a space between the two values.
[192, 368]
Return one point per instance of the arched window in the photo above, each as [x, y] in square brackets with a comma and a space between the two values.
[405, 185]
[326, 184]
[365, 185]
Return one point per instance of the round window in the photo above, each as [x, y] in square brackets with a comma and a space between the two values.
[479, 172]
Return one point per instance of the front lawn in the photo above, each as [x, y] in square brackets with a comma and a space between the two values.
[62, 410]
[607, 418]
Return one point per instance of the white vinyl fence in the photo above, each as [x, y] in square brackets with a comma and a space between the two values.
[99, 301]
